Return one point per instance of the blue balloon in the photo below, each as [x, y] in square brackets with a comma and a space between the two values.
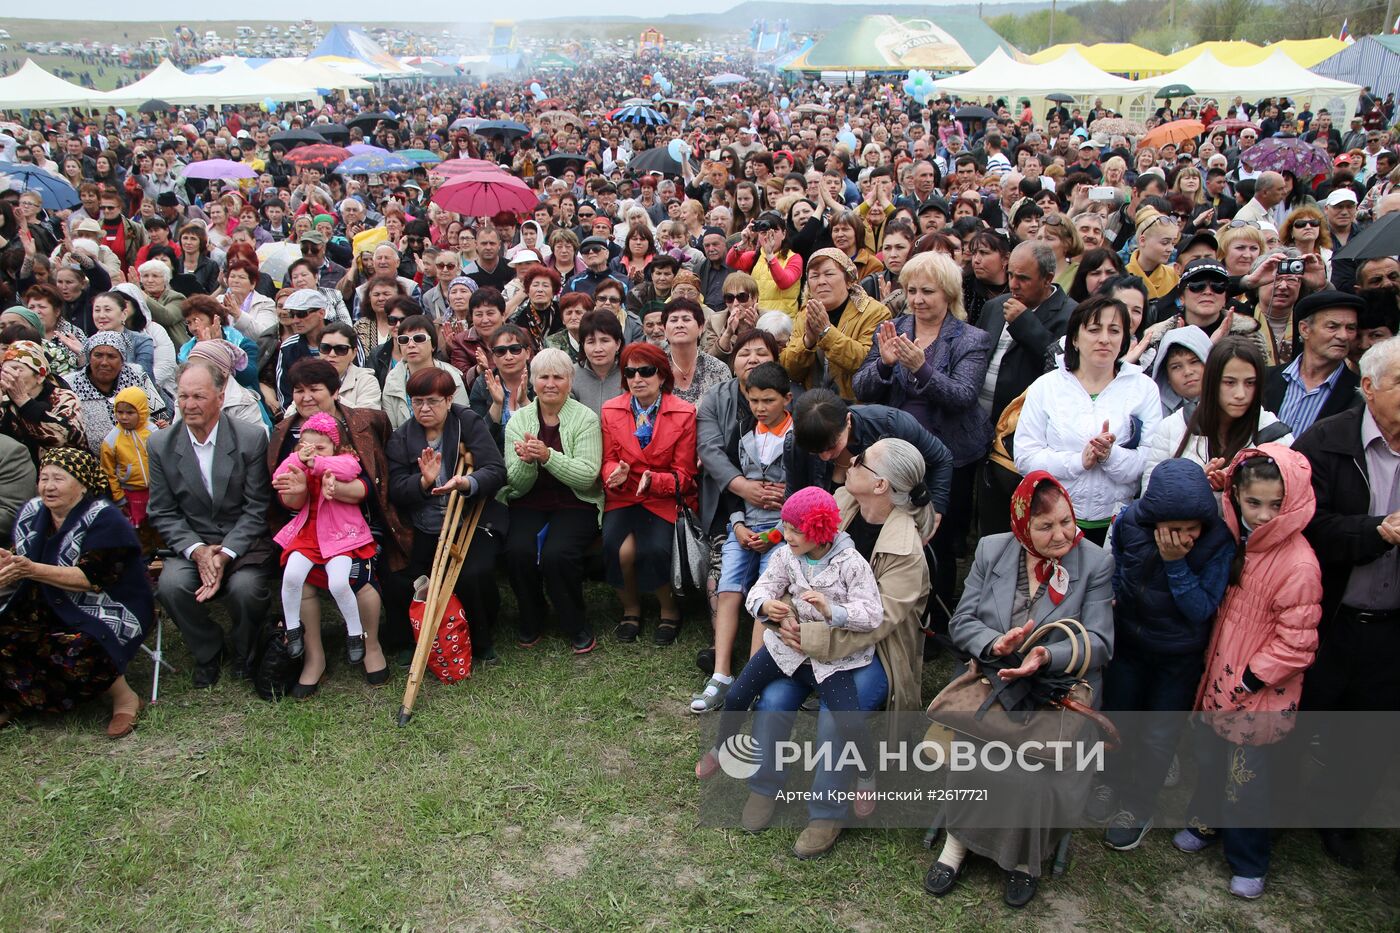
[785, 103]
[849, 139]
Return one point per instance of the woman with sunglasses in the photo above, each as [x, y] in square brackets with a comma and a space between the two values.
[416, 343]
[739, 314]
[358, 387]
[373, 325]
[779, 273]
[1305, 230]
[504, 383]
[1204, 295]
[648, 460]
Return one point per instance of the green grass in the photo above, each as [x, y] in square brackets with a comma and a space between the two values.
[549, 793]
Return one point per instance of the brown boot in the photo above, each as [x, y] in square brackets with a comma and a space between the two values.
[758, 813]
[817, 839]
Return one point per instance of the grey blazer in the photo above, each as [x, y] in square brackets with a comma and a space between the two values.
[984, 612]
[17, 483]
[236, 515]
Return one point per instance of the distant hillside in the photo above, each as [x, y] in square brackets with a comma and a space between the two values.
[812, 17]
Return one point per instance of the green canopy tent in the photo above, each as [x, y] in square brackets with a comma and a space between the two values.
[890, 43]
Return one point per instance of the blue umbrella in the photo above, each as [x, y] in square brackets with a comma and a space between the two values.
[373, 164]
[56, 192]
[640, 114]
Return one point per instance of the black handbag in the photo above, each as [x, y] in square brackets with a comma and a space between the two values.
[690, 552]
[272, 669]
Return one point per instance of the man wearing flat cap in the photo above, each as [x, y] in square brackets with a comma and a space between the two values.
[1318, 383]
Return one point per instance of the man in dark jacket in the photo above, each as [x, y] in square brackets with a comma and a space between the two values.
[1356, 534]
[1024, 325]
[827, 433]
[1171, 563]
[712, 270]
[1317, 383]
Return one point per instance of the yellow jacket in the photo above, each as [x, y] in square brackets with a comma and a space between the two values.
[123, 454]
[1162, 280]
[841, 351]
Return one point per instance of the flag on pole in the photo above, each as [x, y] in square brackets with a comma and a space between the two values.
[1344, 35]
[1395, 27]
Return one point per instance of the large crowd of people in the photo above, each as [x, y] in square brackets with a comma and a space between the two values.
[851, 342]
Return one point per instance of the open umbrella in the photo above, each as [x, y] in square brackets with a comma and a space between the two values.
[331, 131]
[155, 105]
[482, 194]
[218, 169]
[1173, 132]
[368, 121]
[374, 164]
[656, 160]
[467, 123]
[323, 156]
[811, 108]
[561, 116]
[56, 193]
[635, 102]
[292, 138]
[365, 149]
[974, 113]
[421, 156]
[454, 167]
[1232, 125]
[1060, 97]
[1117, 126]
[1303, 159]
[275, 258]
[556, 162]
[507, 129]
[725, 79]
[640, 115]
[1381, 238]
[702, 101]
[1173, 90]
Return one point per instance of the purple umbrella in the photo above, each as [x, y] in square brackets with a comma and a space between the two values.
[1287, 154]
[216, 169]
[366, 149]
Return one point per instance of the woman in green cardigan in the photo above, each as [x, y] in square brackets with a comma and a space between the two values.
[554, 452]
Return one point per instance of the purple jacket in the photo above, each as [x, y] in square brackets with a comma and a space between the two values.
[942, 394]
[340, 526]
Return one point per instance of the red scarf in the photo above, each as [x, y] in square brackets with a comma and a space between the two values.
[1047, 570]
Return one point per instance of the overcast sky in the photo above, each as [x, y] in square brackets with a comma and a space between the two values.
[377, 10]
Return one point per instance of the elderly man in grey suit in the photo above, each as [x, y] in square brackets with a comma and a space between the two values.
[209, 496]
[17, 483]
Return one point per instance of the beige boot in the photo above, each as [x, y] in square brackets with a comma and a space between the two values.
[758, 813]
[817, 839]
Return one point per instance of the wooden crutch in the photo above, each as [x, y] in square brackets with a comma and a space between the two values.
[453, 543]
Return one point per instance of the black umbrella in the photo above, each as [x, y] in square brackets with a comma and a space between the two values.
[1174, 90]
[1060, 97]
[368, 121]
[557, 162]
[656, 160]
[508, 129]
[330, 131]
[1381, 238]
[290, 139]
[974, 113]
[155, 105]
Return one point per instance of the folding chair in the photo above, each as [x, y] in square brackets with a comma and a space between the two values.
[153, 567]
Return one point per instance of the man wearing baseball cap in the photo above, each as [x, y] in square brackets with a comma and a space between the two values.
[1340, 210]
[1318, 383]
[1088, 160]
[307, 308]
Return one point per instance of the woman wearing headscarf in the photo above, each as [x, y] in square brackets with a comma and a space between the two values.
[79, 601]
[107, 373]
[38, 410]
[835, 328]
[1052, 573]
[240, 403]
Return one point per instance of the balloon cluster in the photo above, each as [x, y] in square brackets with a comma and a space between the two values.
[537, 91]
[661, 82]
[919, 85]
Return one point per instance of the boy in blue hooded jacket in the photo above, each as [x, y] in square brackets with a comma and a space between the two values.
[1171, 564]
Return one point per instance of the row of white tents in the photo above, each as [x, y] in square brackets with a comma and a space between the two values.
[1002, 76]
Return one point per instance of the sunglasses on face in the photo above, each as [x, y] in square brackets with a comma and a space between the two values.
[646, 372]
[1197, 287]
[302, 314]
[1306, 222]
[508, 349]
[395, 321]
[334, 349]
[406, 339]
[738, 298]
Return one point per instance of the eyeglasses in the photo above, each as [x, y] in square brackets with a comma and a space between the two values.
[646, 372]
[1237, 224]
[1306, 222]
[1198, 286]
[607, 300]
[739, 298]
[302, 314]
[427, 401]
[419, 337]
[335, 349]
[508, 349]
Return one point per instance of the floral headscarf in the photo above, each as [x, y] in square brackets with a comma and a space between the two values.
[79, 464]
[1047, 570]
[30, 354]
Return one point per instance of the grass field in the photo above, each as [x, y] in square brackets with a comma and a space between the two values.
[548, 793]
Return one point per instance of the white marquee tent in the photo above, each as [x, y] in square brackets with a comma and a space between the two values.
[1278, 75]
[1002, 76]
[32, 87]
[235, 83]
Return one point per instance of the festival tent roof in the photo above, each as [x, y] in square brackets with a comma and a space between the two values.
[31, 87]
[1114, 57]
[1371, 60]
[888, 43]
[234, 83]
[1277, 75]
[1234, 54]
[1308, 52]
[315, 74]
[1000, 75]
[351, 50]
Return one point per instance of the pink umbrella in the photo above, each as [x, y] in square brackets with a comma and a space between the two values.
[481, 194]
[216, 169]
[454, 167]
[366, 149]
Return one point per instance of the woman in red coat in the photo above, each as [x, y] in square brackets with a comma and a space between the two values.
[648, 455]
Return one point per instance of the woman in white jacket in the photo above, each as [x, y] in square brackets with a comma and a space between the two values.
[1086, 422]
[1229, 417]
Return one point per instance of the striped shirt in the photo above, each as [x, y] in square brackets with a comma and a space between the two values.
[1301, 405]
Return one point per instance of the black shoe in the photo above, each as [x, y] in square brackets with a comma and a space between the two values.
[528, 639]
[941, 879]
[301, 691]
[1125, 833]
[628, 629]
[355, 649]
[583, 642]
[1344, 848]
[296, 642]
[207, 674]
[1020, 889]
[487, 658]
[705, 660]
[666, 632]
[377, 678]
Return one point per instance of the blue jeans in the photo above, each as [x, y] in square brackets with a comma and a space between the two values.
[779, 704]
[1233, 784]
[1144, 681]
[740, 567]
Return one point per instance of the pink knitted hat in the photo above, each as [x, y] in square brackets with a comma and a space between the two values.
[323, 423]
[813, 511]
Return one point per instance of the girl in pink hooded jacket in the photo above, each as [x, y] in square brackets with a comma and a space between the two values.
[329, 532]
[1265, 638]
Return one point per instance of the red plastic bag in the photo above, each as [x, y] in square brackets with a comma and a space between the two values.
[450, 658]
